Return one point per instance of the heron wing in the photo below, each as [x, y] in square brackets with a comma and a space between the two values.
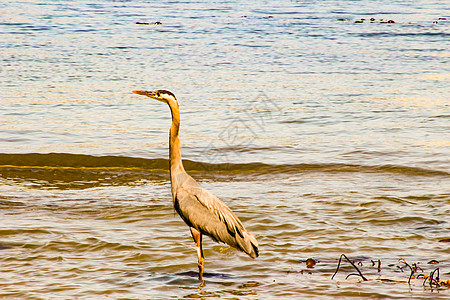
[208, 214]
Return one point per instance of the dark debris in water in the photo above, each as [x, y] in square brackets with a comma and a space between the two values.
[382, 21]
[353, 264]
[310, 263]
[372, 20]
[433, 262]
[146, 23]
[432, 279]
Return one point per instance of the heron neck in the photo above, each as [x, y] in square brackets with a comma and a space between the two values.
[176, 165]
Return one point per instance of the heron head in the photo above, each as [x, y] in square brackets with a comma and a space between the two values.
[160, 95]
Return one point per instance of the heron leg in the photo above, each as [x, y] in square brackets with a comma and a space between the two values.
[197, 236]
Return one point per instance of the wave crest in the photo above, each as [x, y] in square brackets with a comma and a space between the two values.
[64, 170]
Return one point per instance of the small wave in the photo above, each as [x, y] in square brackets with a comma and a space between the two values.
[67, 160]
[401, 34]
[72, 171]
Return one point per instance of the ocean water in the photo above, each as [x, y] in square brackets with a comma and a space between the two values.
[325, 133]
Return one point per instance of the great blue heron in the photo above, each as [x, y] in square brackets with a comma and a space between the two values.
[202, 211]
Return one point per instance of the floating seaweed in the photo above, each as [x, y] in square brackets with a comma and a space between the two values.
[415, 272]
[378, 265]
[435, 281]
[411, 268]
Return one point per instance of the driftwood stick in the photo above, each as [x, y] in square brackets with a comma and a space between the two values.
[351, 274]
[339, 264]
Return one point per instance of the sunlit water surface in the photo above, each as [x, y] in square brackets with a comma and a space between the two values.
[325, 136]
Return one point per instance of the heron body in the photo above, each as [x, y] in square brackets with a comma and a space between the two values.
[203, 212]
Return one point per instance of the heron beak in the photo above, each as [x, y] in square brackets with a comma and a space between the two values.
[145, 93]
[150, 94]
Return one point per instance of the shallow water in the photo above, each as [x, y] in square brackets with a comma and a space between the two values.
[325, 136]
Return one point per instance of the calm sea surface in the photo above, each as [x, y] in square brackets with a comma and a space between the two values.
[325, 133]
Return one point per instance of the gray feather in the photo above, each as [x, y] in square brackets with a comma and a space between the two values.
[208, 214]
